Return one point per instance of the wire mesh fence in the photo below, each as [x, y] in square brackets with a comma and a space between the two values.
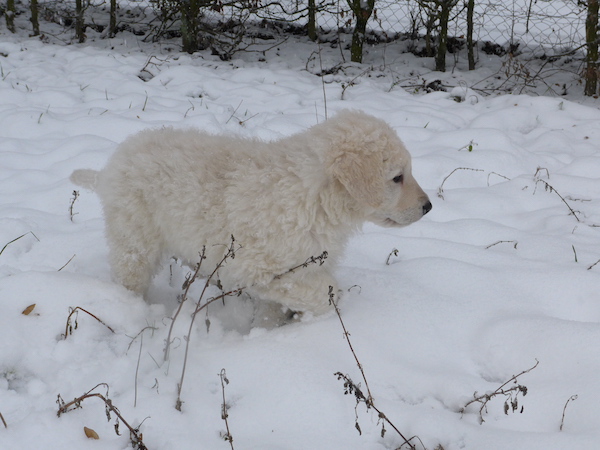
[558, 25]
[542, 26]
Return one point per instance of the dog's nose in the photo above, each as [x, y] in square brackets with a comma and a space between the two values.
[427, 207]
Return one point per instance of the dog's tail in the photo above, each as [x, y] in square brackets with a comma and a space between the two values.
[86, 178]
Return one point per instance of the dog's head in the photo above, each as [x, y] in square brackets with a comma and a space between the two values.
[368, 159]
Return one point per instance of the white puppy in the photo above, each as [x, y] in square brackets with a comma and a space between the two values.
[169, 192]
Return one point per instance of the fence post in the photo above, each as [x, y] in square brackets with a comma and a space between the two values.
[112, 25]
[591, 38]
[311, 27]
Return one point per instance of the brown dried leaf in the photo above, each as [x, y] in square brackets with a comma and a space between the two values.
[91, 434]
[28, 310]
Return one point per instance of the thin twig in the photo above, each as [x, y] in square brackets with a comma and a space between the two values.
[515, 243]
[323, 81]
[189, 280]
[137, 367]
[3, 421]
[551, 189]
[69, 328]
[562, 421]
[541, 169]
[320, 260]
[441, 188]
[352, 82]
[234, 111]
[199, 307]
[243, 122]
[67, 263]
[16, 239]
[394, 252]
[137, 370]
[589, 268]
[145, 102]
[233, 292]
[497, 174]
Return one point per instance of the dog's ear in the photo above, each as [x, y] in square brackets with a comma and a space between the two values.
[361, 175]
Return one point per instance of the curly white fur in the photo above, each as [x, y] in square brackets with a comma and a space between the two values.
[169, 192]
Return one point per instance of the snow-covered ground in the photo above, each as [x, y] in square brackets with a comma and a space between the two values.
[499, 276]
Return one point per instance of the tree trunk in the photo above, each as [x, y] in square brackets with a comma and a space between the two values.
[440, 57]
[591, 36]
[10, 15]
[79, 25]
[190, 10]
[470, 52]
[312, 20]
[34, 17]
[362, 10]
[112, 25]
[430, 26]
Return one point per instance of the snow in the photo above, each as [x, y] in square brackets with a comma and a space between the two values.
[498, 276]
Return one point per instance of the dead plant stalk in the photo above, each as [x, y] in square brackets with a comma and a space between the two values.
[441, 188]
[509, 393]
[224, 408]
[71, 206]
[16, 239]
[200, 305]
[134, 433]
[353, 388]
[69, 328]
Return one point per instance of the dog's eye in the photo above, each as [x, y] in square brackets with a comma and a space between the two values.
[398, 179]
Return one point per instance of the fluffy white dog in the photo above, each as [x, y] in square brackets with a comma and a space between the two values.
[170, 192]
